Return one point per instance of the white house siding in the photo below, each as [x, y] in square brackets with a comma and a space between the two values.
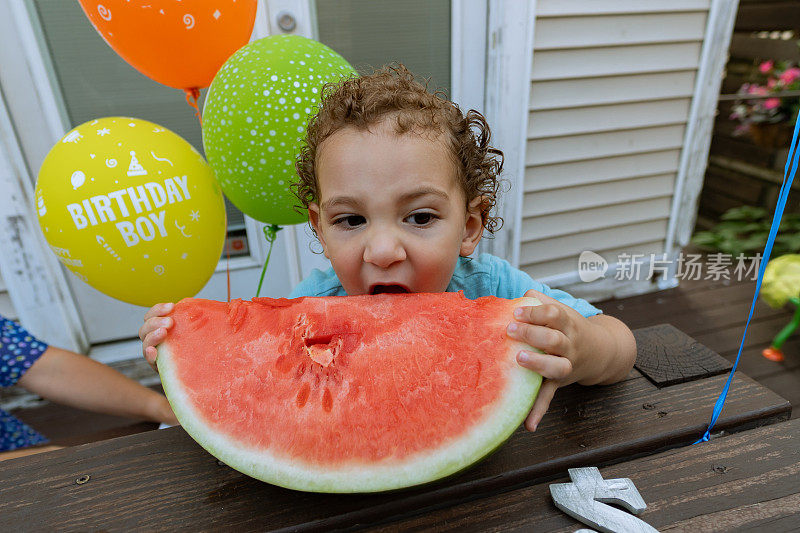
[611, 89]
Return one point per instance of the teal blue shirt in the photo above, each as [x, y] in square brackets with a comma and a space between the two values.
[485, 275]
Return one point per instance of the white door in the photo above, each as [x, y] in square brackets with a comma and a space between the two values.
[66, 75]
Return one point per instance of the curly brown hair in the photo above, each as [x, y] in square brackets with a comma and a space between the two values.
[392, 92]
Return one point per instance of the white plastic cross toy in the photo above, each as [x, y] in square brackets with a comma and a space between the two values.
[586, 497]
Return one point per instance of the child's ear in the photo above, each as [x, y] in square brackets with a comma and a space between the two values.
[473, 228]
[313, 219]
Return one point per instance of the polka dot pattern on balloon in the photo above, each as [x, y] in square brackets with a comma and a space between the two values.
[255, 117]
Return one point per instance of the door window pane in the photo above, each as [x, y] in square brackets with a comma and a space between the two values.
[372, 33]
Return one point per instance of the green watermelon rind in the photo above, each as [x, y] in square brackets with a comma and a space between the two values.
[506, 416]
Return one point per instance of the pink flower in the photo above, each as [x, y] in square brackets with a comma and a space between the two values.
[757, 89]
[766, 66]
[790, 74]
[771, 83]
[772, 103]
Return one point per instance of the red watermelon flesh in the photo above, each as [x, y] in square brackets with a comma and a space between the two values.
[347, 394]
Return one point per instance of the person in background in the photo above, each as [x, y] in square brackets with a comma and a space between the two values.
[68, 378]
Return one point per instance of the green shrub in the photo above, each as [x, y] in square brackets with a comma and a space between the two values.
[744, 230]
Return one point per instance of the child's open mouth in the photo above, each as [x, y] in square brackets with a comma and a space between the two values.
[388, 289]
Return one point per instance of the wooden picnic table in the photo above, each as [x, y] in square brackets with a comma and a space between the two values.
[163, 480]
[745, 481]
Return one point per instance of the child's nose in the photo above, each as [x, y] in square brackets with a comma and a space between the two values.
[383, 249]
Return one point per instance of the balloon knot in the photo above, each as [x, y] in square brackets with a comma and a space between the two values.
[192, 96]
[271, 232]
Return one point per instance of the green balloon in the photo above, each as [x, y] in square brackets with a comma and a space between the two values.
[255, 116]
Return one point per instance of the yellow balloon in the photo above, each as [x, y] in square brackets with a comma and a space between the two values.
[132, 209]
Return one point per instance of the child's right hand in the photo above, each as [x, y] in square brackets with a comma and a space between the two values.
[154, 330]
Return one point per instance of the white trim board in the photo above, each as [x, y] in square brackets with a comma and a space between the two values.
[507, 93]
[36, 282]
[27, 24]
[468, 19]
[697, 140]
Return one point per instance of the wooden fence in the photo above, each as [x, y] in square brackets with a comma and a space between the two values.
[741, 172]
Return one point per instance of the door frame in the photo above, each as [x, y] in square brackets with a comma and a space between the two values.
[509, 52]
[35, 280]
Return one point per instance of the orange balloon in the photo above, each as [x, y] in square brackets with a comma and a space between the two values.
[179, 44]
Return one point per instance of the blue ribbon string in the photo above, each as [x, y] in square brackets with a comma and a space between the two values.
[786, 186]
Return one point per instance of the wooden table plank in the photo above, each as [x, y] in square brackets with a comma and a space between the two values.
[744, 481]
[164, 480]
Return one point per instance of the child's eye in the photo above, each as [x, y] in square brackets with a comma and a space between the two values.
[421, 219]
[350, 221]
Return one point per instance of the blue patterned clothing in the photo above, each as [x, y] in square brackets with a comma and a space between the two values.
[18, 351]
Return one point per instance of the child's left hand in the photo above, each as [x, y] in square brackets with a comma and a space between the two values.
[596, 350]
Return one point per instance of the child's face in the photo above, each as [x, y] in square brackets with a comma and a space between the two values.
[391, 216]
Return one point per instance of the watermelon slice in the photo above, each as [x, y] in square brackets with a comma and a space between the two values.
[347, 394]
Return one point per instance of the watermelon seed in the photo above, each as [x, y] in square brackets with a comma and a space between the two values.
[302, 395]
[327, 400]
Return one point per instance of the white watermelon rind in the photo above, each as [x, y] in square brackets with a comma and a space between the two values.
[505, 417]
